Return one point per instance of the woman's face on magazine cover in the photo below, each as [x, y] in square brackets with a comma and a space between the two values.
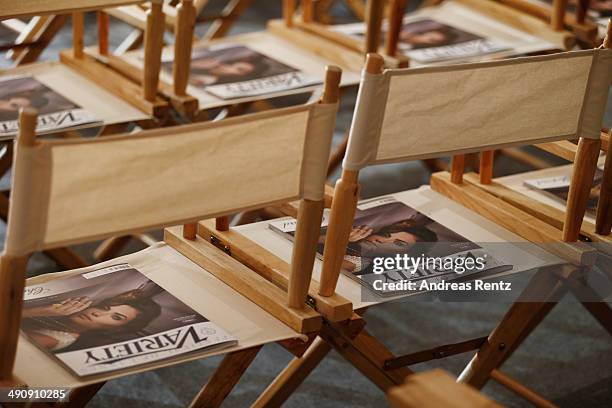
[431, 37]
[14, 104]
[105, 317]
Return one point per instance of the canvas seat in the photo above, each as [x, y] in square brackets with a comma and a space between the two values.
[251, 325]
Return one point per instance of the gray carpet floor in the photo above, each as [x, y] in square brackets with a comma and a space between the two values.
[568, 358]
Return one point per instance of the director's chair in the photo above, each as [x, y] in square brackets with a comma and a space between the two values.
[66, 192]
[111, 98]
[32, 36]
[406, 114]
[280, 41]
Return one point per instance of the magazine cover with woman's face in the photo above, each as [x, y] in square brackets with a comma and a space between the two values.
[112, 318]
[232, 71]
[54, 110]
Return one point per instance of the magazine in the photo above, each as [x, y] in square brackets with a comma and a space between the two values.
[237, 71]
[427, 41]
[55, 112]
[113, 318]
[385, 227]
[558, 187]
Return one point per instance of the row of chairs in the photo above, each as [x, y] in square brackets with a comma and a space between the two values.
[40, 219]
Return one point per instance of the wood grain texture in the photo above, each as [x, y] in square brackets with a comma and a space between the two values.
[513, 219]
[293, 375]
[25, 8]
[183, 34]
[522, 390]
[335, 308]
[77, 34]
[374, 15]
[103, 27]
[544, 212]
[397, 9]
[457, 168]
[304, 252]
[244, 281]
[225, 377]
[344, 204]
[486, 166]
[12, 283]
[603, 221]
[434, 389]
[114, 82]
[153, 43]
[581, 181]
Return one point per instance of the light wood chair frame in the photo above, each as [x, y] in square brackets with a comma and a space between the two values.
[285, 294]
[372, 358]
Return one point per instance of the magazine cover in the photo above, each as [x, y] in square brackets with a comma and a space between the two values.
[113, 318]
[427, 41]
[54, 111]
[384, 228]
[558, 187]
[236, 71]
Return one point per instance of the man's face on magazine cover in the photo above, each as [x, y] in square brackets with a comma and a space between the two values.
[388, 243]
[216, 67]
[105, 317]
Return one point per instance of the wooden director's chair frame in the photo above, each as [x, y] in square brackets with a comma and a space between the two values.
[135, 16]
[436, 388]
[141, 93]
[33, 37]
[285, 295]
[364, 351]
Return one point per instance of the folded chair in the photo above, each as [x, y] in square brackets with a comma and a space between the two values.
[197, 104]
[577, 21]
[111, 98]
[32, 36]
[221, 22]
[406, 114]
[437, 389]
[86, 189]
[523, 33]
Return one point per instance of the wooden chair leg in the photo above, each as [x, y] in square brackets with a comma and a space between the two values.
[368, 355]
[583, 172]
[12, 283]
[66, 258]
[517, 324]
[79, 397]
[110, 247]
[44, 37]
[603, 222]
[293, 375]
[337, 155]
[225, 377]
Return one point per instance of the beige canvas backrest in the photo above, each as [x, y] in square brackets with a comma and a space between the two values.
[71, 191]
[411, 114]
[28, 8]
[406, 114]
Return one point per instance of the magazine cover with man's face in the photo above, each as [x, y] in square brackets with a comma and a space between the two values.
[426, 40]
[113, 318]
[385, 228]
[54, 110]
[233, 71]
